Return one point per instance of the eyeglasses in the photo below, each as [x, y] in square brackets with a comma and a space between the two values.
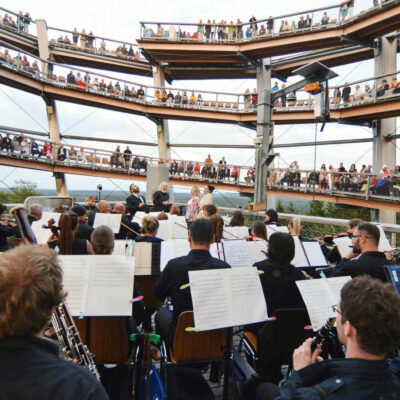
[356, 236]
[336, 310]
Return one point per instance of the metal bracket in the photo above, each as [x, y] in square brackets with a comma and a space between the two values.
[352, 121]
[356, 40]
[247, 58]
[156, 120]
[248, 125]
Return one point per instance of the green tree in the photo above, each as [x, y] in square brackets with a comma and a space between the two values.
[22, 190]
[291, 209]
[316, 208]
[4, 197]
[280, 208]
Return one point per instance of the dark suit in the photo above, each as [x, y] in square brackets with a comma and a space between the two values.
[370, 263]
[84, 231]
[91, 217]
[158, 198]
[172, 278]
[132, 203]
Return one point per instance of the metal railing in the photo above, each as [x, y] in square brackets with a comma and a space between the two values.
[21, 24]
[87, 42]
[364, 184]
[98, 159]
[179, 98]
[224, 32]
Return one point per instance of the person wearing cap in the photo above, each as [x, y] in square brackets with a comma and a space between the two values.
[84, 230]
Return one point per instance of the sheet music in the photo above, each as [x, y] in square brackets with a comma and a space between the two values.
[216, 252]
[273, 228]
[110, 286]
[113, 221]
[43, 234]
[236, 253]
[120, 249]
[164, 230]
[179, 228]
[173, 249]
[384, 244]
[300, 259]
[226, 297]
[314, 254]
[138, 217]
[343, 245]
[236, 232]
[142, 254]
[98, 285]
[76, 275]
[255, 248]
[320, 295]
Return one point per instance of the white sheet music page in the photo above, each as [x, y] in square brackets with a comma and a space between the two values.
[236, 253]
[236, 232]
[273, 228]
[179, 228]
[300, 259]
[120, 248]
[314, 254]
[255, 249]
[216, 251]
[110, 286]
[320, 295]
[113, 221]
[384, 244]
[343, 244]
[226, 297]
[164, 230]
[76, 274]
[142, 254]
[173, 249]
[43, 234]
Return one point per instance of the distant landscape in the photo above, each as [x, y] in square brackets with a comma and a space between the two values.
[230, 200]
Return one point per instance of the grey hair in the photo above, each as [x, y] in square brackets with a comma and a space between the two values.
[161, 184]
[102, 203]
[35, 209]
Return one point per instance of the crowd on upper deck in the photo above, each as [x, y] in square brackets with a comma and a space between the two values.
[21, 22]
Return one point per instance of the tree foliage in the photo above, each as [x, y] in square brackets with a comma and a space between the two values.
[19, 192]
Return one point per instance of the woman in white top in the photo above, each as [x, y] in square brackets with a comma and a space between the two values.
[206, 199]
[192, 208]
[24, 147]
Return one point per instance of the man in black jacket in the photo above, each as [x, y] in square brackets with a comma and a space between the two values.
[30, 367]
[176, 274]
[368, 325]
[161, 198]
[135, 202]
[127, 229]
[6, 143]
[84, 230]
[371, 261]
[35, 213]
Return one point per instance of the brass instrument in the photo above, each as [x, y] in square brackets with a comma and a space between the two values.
[68, 335]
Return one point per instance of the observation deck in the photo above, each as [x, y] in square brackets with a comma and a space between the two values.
[175, 48]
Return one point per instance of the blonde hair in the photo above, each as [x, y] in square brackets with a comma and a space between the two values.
[197, 190]
[150, 225]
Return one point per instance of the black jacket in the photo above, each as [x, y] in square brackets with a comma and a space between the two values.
[132, 203]
[124, 232]
[176, 274]
[370, 263]
[30, 369]
[158, 198]
[279, 286]
[84, 231]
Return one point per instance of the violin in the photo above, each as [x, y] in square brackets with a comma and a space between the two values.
[51, 224]
[328, 239]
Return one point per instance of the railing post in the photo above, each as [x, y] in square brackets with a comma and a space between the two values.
[367, 191]
[312, 21]
[331, 184]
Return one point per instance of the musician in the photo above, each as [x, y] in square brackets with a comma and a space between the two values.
[209, 210]
[128, 229]
[150, 227]
[371, 261]
[271, 217]
[161, 198]
[67, 242]
[135, 202]
[333, 255]
[218, 226]
[84, 230]
[30, 369]
[35, 213]
[102, 207]
[7, 229]
[368, 325]
[258, 231]
[175, 275]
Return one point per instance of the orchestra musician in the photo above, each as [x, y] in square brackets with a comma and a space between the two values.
[30, 368]
[102, 207]
[128, 229]
[67, 241]
[150, 227]
[258, 231]
[35, 213]
[7, 229]
[175, 274]
[135, 202]
[84, 230]
[368, 325]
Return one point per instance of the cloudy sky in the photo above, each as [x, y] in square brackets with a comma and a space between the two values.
[120, 20]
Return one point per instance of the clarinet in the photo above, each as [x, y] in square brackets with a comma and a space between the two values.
[322, 333]
[68, 335]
